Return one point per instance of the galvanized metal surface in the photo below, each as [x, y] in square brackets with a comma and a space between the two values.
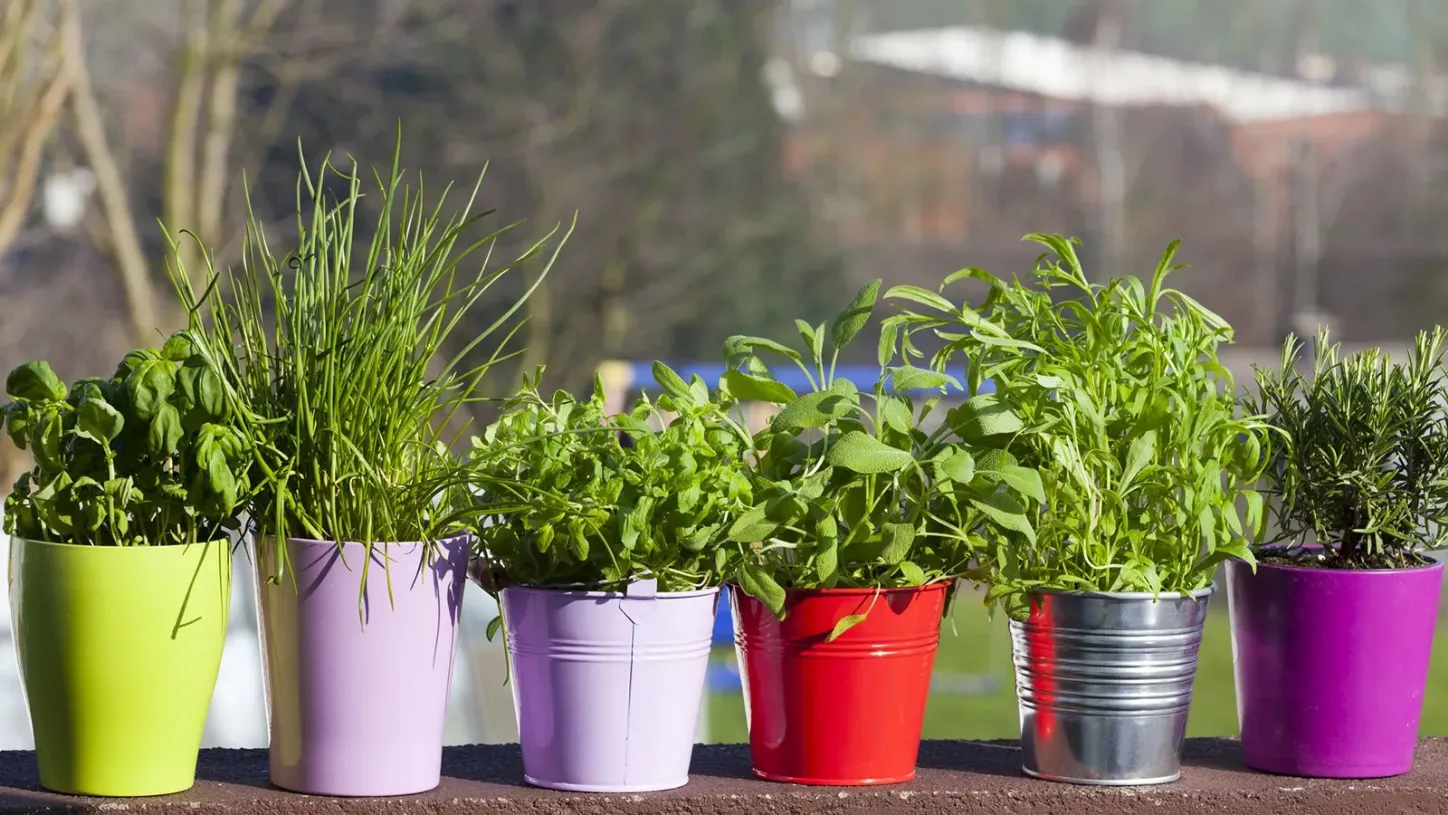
[1104, 682]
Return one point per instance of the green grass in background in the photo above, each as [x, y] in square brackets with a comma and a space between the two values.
[978, 646]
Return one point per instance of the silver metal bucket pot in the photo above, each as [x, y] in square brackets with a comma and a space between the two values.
[1104, 682]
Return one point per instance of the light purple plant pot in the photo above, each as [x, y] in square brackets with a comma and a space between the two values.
[607, 685]
[1331, 666]
[356, 695]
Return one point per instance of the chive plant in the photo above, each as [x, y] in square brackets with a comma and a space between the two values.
[340, 357]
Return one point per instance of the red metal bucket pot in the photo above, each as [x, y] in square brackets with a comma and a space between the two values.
[844, 713]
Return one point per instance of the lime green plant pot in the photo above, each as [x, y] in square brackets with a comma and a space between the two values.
[119, 649]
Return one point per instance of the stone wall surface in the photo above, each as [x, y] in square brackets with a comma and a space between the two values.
[955, 777]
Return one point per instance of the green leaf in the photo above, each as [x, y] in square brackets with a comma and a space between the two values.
[814, 410]
[988, 338]
[923, 297]
[19, 420]
[163, 436]
[200, 388]
[698, 390]
[636, 522]
[1006, 512]
[827, 549]
[899, 539]
[958, 466]
[889, 338]
[748, 388]
[849, 322]
[47, 440]
[1023, 480]
[670, 382]
[913, 574]
[806, 332]
[752, 527]
[741, 344]
[35, 382]
[149, 386]
[1208, 522]
[983, 416]
[1140, 453]
[909, 378]
[98, 421]
[761, 585]
[1256, 518]
[178, 347]
[844, 624]
[862, 453]
[896, 412]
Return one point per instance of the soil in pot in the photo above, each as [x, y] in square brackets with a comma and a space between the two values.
[608, 685]
[357, 688]
[842, 713]
[1331, 664]
[119, 649]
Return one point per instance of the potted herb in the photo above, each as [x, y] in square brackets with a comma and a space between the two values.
[863, 516]
[606, 544]
[1333, 631]
[348, 391]
[1126, 410]
[120, 565]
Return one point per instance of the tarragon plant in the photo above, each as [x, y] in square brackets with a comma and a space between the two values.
[1362, 465]
[576, 498]
[150, 456]
[346, 361]
[852, 489]
[1126, 410]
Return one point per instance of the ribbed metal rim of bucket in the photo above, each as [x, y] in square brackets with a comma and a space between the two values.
[1130, 595]
[570, 592]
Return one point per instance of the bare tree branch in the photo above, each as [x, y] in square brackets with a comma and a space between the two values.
[26, 121]
[110, 185]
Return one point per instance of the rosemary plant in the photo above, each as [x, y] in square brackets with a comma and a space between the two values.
[1362, 467]
[342, 363]
[1124, 408]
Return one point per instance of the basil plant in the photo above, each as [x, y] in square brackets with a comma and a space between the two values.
[1120, 400]
[147, 457]
[872, 489]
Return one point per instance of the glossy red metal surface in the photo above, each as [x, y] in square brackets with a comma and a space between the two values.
[843, 713]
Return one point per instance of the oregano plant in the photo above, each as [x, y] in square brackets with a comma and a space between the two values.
[1115, 392]
[150, 456]
[858, 489]
[1361, 465]
[577, 498]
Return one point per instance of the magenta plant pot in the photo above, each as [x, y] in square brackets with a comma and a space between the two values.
[607, 686]
[357, 692]
[1331, 666]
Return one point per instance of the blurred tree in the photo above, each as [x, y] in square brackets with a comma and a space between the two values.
[34, 83]
[210, 42]
[652, 122]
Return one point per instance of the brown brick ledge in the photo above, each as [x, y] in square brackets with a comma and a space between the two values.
[955, 777]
